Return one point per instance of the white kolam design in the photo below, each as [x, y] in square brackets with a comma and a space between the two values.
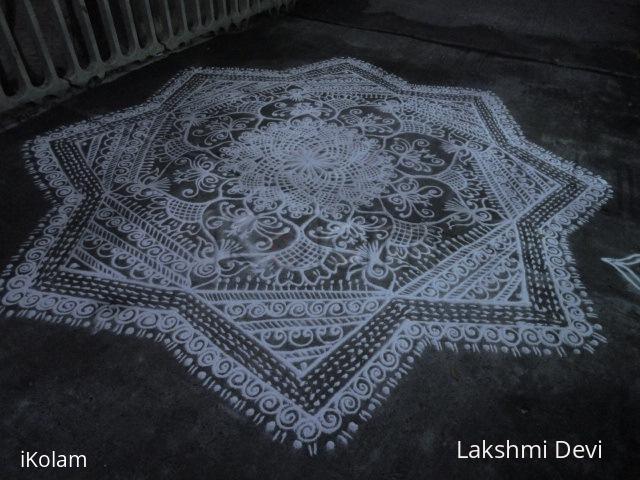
[628, 267]
[296, 238]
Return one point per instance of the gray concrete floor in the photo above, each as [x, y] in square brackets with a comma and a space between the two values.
[568, 71]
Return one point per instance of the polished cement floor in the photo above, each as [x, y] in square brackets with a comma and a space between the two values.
[570, 75]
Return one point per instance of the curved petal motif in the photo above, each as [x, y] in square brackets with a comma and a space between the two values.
[628, 267]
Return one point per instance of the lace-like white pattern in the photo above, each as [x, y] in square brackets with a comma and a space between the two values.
[308, 165]
[295, 238]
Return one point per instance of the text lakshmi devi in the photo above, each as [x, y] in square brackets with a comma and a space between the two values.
[557, 449]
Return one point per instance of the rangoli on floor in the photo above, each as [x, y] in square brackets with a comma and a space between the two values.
[297, 237]
[628, 267]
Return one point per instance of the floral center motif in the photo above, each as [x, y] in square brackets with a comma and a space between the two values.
[309, 165]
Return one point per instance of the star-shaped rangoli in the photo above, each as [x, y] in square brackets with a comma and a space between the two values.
[296, 237]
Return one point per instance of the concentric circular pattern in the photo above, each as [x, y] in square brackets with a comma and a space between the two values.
[309, 164]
